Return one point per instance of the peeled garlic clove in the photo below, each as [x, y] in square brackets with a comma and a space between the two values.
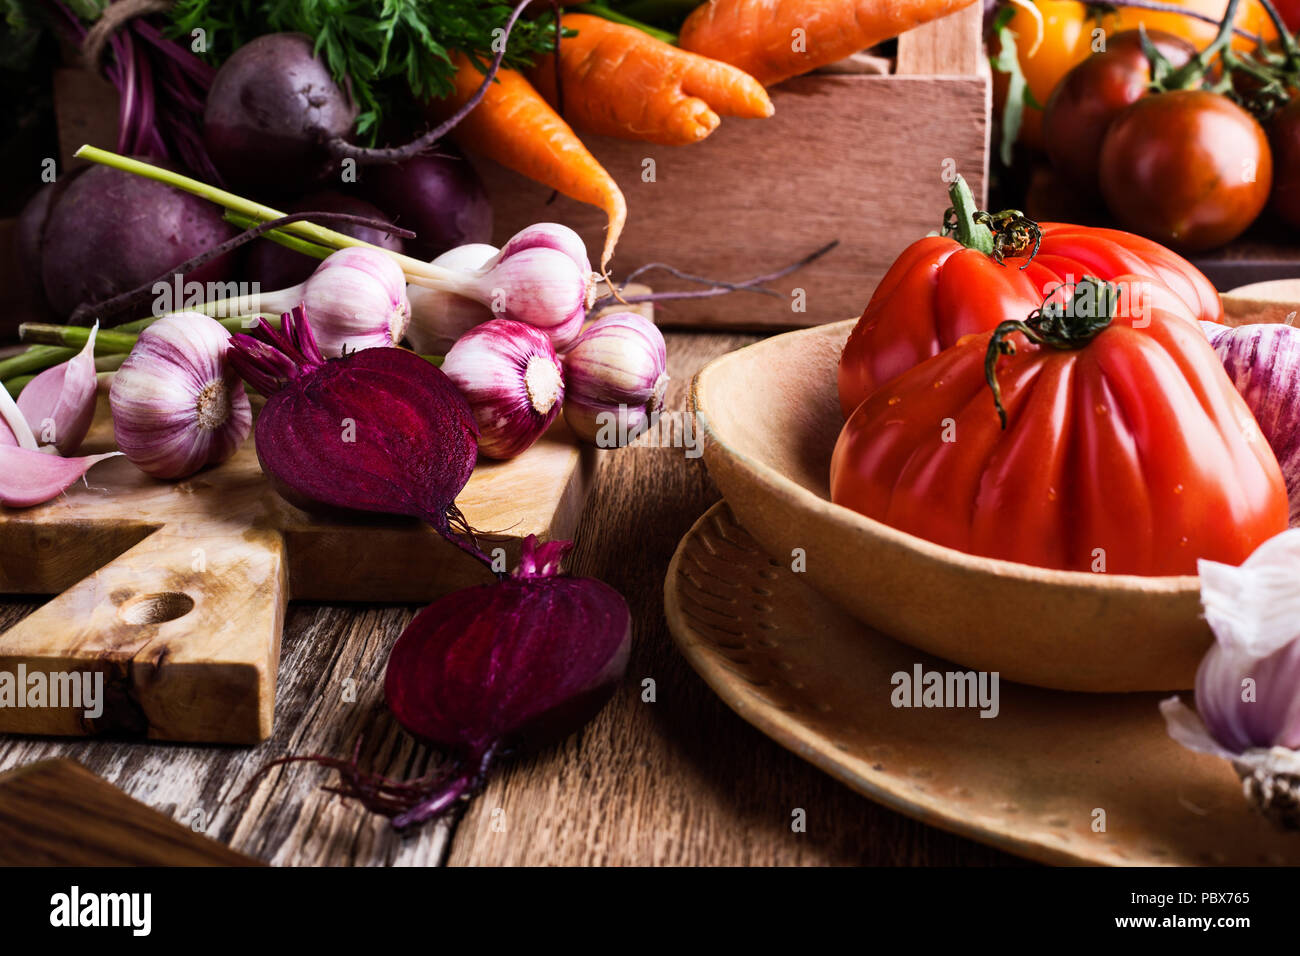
[616, 376]
[59, 403]
[439, 318]
[177, 404]
[29, 477]
[14, 430]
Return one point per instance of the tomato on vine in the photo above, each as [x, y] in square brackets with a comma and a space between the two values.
[1092, 94]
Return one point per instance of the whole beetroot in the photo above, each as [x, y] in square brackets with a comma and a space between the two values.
[272, 109]
[110, 231]
[438, 196]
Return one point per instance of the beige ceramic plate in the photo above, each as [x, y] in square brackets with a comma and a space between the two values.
[1035, 780]
[770, 416]
[1271, 301]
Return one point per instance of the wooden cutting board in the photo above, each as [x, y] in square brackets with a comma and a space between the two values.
[173, 593]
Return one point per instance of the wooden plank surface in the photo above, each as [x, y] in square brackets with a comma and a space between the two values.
[679, 780]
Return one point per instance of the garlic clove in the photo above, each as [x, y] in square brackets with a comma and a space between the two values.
[14, 430]
[31, 477]
[439, 318]
[59, 403]
[1248, 684]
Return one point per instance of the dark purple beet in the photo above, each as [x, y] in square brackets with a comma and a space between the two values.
[110, 231]
[278, 267]
[484, 670]
[439, 197]
[517, 663]
[378, 430]
[271, 109]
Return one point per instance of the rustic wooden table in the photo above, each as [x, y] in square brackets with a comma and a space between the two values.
[682, 780]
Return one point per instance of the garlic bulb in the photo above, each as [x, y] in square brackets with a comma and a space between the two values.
[1248, 684]
[439, 318]
[356, 299]
[177, 405]
[1263, 361]
[616, 375]
[510, 375]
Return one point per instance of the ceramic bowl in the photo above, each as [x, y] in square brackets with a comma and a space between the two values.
[770, 416]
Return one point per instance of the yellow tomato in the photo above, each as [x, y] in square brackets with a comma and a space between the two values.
[1069, 38]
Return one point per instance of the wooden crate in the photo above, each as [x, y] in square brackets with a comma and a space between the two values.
[849, 157]
[858, 158]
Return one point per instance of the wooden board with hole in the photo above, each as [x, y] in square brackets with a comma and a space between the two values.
[173, 593]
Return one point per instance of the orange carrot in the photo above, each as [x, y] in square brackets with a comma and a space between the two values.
[619, 81]
[773, 40]
[516, 127]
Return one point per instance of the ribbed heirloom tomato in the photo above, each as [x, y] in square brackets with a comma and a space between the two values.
[942, 288]
[1126, 448]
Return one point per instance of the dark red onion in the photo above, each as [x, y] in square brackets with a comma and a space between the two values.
[379, 430]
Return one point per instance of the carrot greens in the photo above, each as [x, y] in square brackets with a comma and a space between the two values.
[391, 55]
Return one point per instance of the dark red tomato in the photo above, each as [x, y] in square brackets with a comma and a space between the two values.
[1284, 136]
[1128, 452]
[1092, 94]
[1190, 169]
[938, 291]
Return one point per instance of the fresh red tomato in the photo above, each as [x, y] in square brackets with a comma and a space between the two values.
[1284, 136]
[1072, 31]
[1096, 91]
[939, 290]
[1190, 169]
[1126, 449]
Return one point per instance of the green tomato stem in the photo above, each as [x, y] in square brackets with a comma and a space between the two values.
[969, 231]
[1193, 72]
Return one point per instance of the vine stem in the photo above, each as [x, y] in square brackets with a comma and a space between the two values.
[1157, 6]
[1289, 47]
[1194, 70]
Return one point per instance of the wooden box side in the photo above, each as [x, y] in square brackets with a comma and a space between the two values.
[860, 159]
